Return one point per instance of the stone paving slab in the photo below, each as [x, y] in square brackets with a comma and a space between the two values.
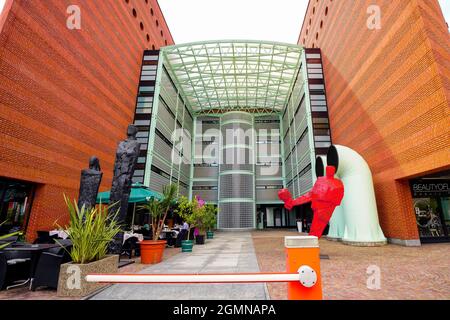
[228, 252]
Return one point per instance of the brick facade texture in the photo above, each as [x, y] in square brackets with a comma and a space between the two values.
[66, 95]
[388, 92]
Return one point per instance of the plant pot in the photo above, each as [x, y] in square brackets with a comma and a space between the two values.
[209, 234]
[200, 239]
[72, 282]
[186, 245]
[152, 251]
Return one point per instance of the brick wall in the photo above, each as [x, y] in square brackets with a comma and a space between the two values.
[68, 94]
[388, 93]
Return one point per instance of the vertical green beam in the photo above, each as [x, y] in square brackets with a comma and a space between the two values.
[304, 71]
[255, 150]
[312, 150]
[291, 135]
[294, 143]
[173, 145]
[283, 167]
[221, 138]
[154, 119]
[193, 139]
[181, 154]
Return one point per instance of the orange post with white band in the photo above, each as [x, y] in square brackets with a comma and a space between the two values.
[303, 257]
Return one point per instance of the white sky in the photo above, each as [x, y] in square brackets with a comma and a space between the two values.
[200, 20]
[276, 20]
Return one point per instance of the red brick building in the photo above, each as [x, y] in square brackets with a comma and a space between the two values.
[387, 74]
[66, 94]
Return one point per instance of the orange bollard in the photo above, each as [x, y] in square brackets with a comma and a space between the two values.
[304, 251]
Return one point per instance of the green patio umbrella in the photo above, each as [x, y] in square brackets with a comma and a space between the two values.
[139, 193]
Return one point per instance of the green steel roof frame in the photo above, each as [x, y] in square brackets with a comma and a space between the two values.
[234, 75]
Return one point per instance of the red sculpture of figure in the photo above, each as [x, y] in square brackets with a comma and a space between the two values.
[325, 195]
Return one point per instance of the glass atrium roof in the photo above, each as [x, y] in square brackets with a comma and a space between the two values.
[219, 76]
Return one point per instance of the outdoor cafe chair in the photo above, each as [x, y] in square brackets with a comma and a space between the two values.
[129, 245]
[14, 266]
[47, 269]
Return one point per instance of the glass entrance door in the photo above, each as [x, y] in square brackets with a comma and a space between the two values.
[428, 218]
[432, 207]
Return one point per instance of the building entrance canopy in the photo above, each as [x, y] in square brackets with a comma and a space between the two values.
[221, 76]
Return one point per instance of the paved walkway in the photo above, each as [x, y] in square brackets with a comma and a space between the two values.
[405, 272]
[227, 252]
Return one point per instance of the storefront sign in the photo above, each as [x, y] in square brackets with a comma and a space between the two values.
[430, 187]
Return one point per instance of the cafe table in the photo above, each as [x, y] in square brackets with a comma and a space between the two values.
[35, 250]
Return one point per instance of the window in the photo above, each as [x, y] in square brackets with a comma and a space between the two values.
[142, 122]
[157, 23]
[321, 24]
[151, 58]
[134, 13]
[326, 11]
[161, 32]
[148, 38]
[148, 72]
[146, 89]
[15, 204]
[141, 159]
[141, 25]
[317, 35]
[151, 11]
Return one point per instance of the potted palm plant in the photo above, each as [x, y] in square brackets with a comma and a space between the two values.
[210, 220]
[91, 230]
[189, 211]
[152, 250]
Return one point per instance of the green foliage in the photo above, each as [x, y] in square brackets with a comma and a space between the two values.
[90, 230]
[6, 236]
[203, 218]
[187, 210]
[159, 209]
[210, 219]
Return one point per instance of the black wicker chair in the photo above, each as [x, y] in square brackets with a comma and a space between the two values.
[14, 266]
[47, 269]
[129, 245]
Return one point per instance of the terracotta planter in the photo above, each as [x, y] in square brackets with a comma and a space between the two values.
[72, 283]
[152, 251]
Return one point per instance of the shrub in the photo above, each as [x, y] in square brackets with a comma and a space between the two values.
[90, 230]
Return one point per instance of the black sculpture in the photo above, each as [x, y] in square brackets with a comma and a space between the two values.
[89, 184]
[126, 158]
